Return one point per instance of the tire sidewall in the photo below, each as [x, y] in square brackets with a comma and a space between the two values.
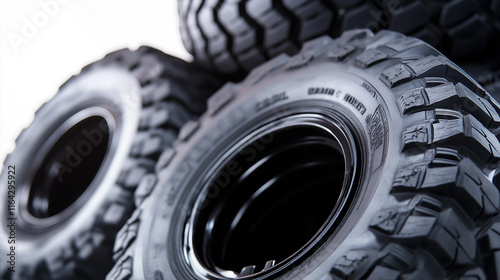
[116, 93]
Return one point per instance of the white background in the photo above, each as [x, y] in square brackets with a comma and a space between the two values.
[44, 42]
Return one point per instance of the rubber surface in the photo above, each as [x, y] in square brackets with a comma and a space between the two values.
[433, 214]
[232, 37]
[170, 92]
[491, 83]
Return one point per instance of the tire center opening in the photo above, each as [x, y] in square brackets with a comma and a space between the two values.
[270, 200]
[69, 167]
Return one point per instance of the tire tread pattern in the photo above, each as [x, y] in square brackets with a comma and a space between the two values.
[231, 37]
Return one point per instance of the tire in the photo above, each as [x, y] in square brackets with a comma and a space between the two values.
[75, 168]
[363, 157]
[233, 37]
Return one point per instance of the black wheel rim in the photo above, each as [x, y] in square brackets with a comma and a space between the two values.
[69, 167]
[273, 199]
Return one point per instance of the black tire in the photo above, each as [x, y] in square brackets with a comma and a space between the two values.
[410, 133]
[78, 164]
[232, 37]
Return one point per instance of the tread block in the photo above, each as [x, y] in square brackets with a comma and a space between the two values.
[448, 95]
[115, 214]
[145, 187]
[386, 221]
[127, 235]
[454, 242]
[310, 51]
[357, 17]
[165, 159]
[398, 257]
[244, 37]
[409, 178]
[412, 99]
[427, 206]
[489, 243]
[417, 134]
[149, 68]
[370, 57]
[456, 11]
[356, 36]
[351, 263]
[276, 27]
[465, 183]
[161, 91]
[221, 98]
[205, 14]
[318, 46]
[465, 132]
[315, 18]
[152, 143]
[299, 60]
[491, 264]
[391, 260]
[224, 63]
[218, 45]
[265, 69]
[429, 65]
[275, 35]
[480, 107]
[53, 262]
[431, 34]
[130, 177]
[341, 51]
[473, 274]
[405, 44]
[188, 130]
[251, 59]
[489, 144]
[410, 17]
[491, 240]
[163, 114]
[381, 272]
[444, 129]
[466, 35]
[395, 75]
[445, 233]
[122, 270]
[416, 227]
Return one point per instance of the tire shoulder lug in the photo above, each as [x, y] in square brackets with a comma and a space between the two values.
[165, 159]
[220, 99]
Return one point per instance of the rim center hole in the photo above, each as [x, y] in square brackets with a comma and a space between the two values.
[270, 199]
[69, 167]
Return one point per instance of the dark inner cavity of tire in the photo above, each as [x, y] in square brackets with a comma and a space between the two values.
[69, 167]
[269, 200]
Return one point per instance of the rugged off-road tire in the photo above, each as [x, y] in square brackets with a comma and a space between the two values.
[363, 157]
[231, 37]
[68, 186]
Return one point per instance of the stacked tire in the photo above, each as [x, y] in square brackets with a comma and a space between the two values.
[233, 37]
[331, 152]
[76, 167]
